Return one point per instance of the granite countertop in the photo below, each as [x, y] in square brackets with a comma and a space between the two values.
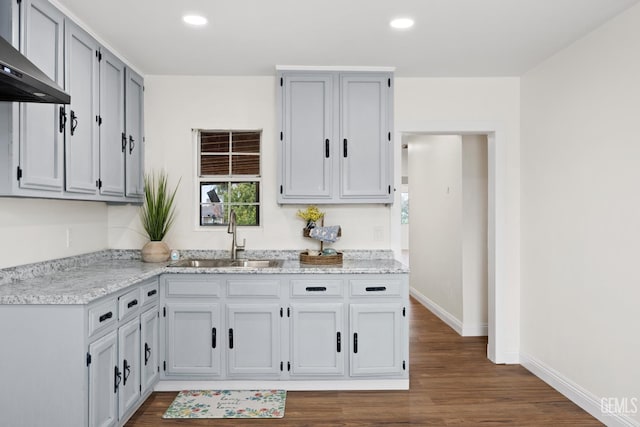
[85, 278]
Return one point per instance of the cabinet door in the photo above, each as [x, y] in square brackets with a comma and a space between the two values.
[306, 150]
[103, 381]
[129, 358]
[113, 140]
[316, 339]
[365, 165]
[134, 101]
[149, 350]
[193, 338]
[81, 133]
[41, 138]
[253, 339]
[376, 339]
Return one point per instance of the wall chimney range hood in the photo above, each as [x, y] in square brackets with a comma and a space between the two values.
[21, 80]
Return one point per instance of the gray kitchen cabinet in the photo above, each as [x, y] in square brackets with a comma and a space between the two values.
[81, 133]
[134, 123]
[129, 366]
[376, 339]
[306, 142]
[82, 151]
[103, 381]
[32, 163]
[192, 341]
[112, 129]
[317, 343]
[335, 137]
[150, 350]
[253, 341]
[366, 160]
[378, 326]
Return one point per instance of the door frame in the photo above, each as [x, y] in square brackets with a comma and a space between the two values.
[496, 237]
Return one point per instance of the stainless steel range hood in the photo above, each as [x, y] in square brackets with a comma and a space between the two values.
[21, 80]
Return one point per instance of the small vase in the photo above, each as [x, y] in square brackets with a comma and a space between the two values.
[155, 252]
[310, 224]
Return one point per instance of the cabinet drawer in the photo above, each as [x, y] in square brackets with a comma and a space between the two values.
[129, 303]
[316, 288]
[186, 287]
[253, 288]
[103, 315]
[150, 292]
[373, 287]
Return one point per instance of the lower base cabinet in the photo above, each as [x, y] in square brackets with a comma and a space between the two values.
[376, 331]
[253, 346]
[317, 347]
[284, 327]
[193, 339]
[103, 404]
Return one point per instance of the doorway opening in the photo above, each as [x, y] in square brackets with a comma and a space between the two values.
[495, 153]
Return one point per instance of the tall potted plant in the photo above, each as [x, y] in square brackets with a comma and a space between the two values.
[157, 215]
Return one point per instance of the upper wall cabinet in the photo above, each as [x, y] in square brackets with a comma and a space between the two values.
[81, 131]
[335, 137]
[84, 150]
[134, 95]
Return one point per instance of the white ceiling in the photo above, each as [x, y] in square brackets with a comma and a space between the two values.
[454, 38]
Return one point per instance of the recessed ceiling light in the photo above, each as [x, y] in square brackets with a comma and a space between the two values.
[401, 23]
[196, 20]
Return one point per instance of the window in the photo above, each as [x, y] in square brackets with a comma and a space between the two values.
[404, 206]
[229, 177]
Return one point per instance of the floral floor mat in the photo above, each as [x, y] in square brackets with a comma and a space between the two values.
[228, 404]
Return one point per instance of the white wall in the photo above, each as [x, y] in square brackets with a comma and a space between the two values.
[474, 235]
[435, 251]
[174, 106]
[36, 230]
[581, 213]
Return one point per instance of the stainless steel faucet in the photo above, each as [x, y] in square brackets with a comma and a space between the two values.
[232, 230]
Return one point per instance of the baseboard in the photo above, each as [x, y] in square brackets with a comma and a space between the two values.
[381, 384]
[578, 395]
[453, 322]
[479, 330]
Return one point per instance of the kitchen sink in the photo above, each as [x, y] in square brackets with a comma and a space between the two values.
[228, 263]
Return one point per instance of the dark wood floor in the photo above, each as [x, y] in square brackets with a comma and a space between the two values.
[452, 383]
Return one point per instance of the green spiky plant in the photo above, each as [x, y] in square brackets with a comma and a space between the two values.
[158, 211]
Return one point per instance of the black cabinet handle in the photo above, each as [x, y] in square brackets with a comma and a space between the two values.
[124, 142]
[127, 371]
[152, 292]
[316, 288]
[355, 342]
[74, 122]
[339, 342]
[132, 303]
[344, 147]
[213, 337]
[63, 119]
[147, 353]
[117, 377]
[131, 144]
[376, 288]
[230, 338]
[105, 316]
[326, 148]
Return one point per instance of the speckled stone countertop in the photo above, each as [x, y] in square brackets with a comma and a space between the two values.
[85, 278]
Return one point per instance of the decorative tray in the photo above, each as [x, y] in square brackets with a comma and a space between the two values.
[336, 259]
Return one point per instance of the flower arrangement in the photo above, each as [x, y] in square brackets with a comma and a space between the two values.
[311, 215]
